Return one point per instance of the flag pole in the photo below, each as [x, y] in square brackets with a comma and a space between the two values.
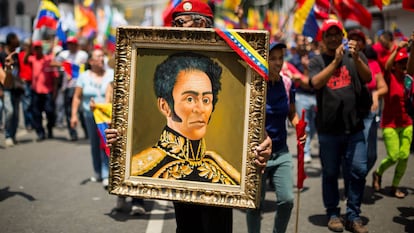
[297, 210]
[301, 176]
[290, 12]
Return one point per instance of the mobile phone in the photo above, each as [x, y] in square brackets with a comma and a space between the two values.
[18, 49]
[345, 43]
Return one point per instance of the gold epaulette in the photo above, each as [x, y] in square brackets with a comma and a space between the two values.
[146, 160]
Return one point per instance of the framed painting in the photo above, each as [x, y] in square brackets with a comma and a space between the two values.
[190, 111]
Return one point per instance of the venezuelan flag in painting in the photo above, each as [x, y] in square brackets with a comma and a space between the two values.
[245, 51]
[48, 15]
[102, 114]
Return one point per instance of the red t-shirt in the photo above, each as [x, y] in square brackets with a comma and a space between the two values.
[43, 74]
[383, 53]
[375, 69]
[25, 68]
[394, 114]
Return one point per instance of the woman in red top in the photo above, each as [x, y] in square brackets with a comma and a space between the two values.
[396, 123]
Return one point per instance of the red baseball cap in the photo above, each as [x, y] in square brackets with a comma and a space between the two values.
[190, 7]
[72, 39]
[37, 43]
[401, 55]
[358, 33]
[326, 25]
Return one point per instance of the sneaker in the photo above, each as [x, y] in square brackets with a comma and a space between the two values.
[335, 224]
[105, 183]
[137, 209]
[9, 142]
[40, 138]
[94, 179]
[307, 159]
[356, 226]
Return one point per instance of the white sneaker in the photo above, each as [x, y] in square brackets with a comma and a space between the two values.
[9, 142]
[105, 183]
[137, 210]
[307, 159]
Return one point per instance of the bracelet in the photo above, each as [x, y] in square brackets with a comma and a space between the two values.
[310, 83]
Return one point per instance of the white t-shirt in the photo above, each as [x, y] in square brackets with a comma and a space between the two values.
[78, 58]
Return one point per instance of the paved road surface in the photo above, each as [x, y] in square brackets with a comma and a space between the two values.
[44, 188]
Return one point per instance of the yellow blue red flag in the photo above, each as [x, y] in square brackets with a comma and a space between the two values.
[245, 51]
[304, 22]
[102, 114]
[47, 16]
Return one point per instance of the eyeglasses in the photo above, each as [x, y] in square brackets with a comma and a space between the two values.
[180, 22]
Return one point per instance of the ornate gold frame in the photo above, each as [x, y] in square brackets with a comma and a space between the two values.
[154, 40]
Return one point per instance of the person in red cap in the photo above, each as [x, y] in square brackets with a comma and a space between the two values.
[337, 75]
[384, 46]
[191, 217]
[44, 89]
[396, 123]
[192, 14]
[72, 55]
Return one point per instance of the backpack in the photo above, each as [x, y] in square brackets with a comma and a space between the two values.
[409, 95]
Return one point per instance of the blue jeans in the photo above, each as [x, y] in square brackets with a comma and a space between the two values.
[371, 137]
[280, 168]
[11, 102]
[307, 102]
[349, 149]
[1, 110]
[100, 161]
[26, 104]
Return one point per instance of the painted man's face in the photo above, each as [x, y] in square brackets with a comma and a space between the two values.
[193, 104]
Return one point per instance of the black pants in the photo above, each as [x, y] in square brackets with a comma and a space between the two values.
[68, 97]
[192, 218]
[43, 103]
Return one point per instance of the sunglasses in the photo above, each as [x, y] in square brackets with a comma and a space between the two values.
[180, 22]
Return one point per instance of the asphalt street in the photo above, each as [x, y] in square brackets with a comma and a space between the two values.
[44, 187]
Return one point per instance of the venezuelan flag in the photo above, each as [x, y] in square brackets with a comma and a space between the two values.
[73, 70]
[60, 33]
[47, 16]
[102, 114]
[110, 35]
[304, 21]
[245, 51]
[111, 43]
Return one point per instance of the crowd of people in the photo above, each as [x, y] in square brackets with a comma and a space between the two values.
[347, 84]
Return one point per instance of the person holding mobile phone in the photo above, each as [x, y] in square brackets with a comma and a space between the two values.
[335, 75]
